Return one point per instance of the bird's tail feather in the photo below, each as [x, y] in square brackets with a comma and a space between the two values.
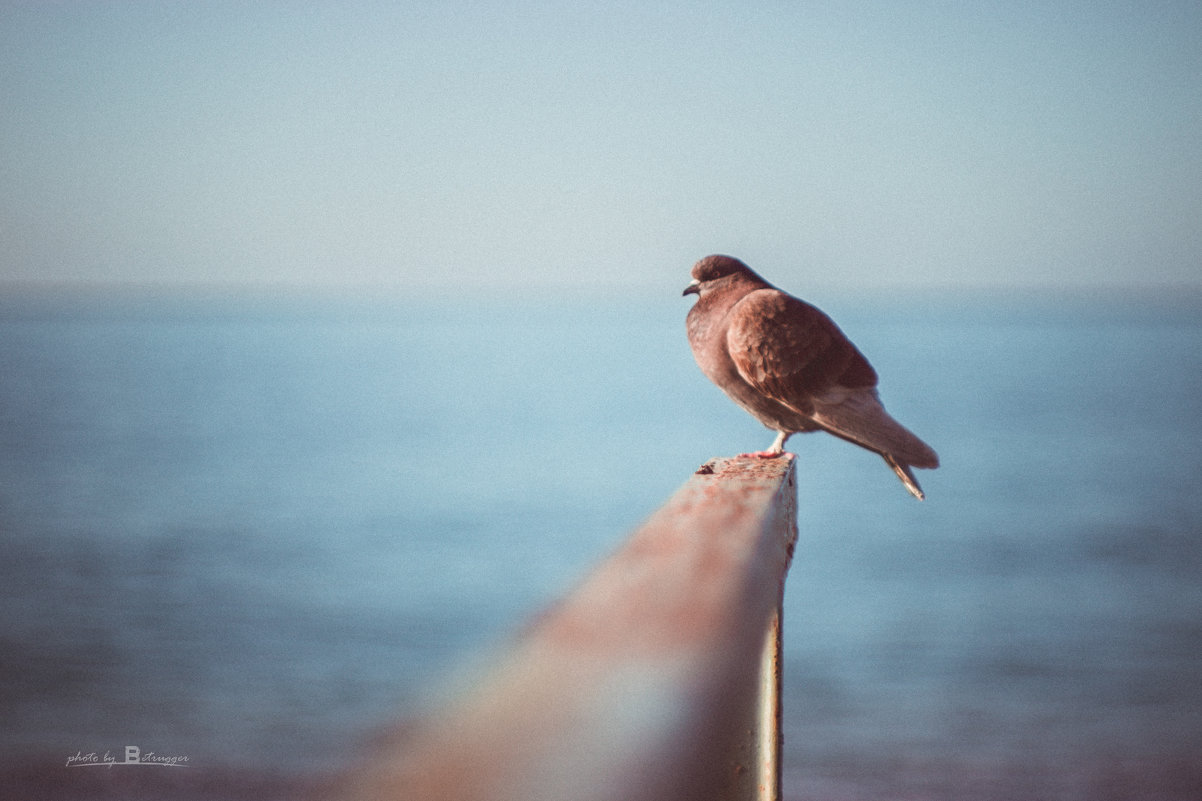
[859, 417]
[906, 475]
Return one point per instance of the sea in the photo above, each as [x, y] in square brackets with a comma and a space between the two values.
[247, 532]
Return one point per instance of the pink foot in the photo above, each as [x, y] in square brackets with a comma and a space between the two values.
[765, 455]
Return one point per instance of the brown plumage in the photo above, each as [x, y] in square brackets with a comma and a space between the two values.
[790, 366]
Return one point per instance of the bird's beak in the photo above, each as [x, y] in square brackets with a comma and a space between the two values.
[694, 288]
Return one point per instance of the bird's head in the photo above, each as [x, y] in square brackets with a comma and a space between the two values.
[718, 271]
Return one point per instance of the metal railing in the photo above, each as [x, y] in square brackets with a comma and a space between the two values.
[658, 677]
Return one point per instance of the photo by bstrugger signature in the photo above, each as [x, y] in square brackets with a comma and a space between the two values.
[133, 756]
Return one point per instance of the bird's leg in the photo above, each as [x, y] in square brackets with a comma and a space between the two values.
[777, 448]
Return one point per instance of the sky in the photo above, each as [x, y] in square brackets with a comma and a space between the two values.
[601, 145]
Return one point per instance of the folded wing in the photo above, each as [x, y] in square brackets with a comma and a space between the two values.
[796, 355]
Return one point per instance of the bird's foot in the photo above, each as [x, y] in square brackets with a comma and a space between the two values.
[776, 449]
[769, 454]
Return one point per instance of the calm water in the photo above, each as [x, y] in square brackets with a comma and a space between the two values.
[248, 532]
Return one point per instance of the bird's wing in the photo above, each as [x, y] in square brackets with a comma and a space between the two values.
[792, 352]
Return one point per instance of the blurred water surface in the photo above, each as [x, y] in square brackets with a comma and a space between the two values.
[250, 531]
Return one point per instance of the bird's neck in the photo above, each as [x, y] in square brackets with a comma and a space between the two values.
[712, 306]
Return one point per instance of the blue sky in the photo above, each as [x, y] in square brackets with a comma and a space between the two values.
[569, 146]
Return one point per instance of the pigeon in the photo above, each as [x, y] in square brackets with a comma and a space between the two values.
[790, 366]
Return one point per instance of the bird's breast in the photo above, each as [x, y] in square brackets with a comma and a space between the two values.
[707, 338]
